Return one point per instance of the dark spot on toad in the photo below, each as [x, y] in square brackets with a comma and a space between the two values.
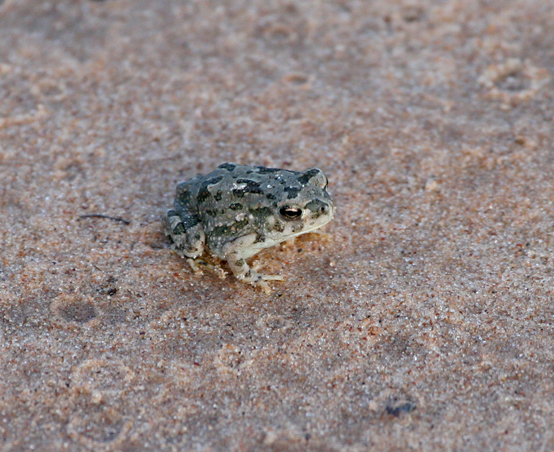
[218, 195]
[292, 192]
[179, 229]
[228, 166]
[229, 230]
[259, 238]
[263, 170]
[214, 181]
[318, 208]
[305, 178]
[235, 206]
[183, 194]
[172, 213]
[270, 196]
[250, 187]
[261, 213]
[203, 194]
[189, 221]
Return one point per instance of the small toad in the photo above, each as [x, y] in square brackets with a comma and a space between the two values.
[238, 210]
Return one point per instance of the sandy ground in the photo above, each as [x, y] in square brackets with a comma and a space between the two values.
[423, 321]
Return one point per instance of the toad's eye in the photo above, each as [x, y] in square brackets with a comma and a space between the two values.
[290, 213]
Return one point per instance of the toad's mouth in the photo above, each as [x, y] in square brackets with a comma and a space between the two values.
[316, 226]
[318, 223]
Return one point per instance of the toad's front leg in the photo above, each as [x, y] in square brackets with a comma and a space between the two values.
[236, 253]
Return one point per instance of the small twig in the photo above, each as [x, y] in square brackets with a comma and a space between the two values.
[99, 215]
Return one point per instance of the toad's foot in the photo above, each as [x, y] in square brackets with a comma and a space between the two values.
[249, 275]
[257, 279]
[198, 265]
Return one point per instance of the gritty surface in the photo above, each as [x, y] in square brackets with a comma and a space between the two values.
[424, 323]
[236, 211]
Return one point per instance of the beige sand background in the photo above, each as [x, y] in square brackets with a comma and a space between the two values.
[423, 322]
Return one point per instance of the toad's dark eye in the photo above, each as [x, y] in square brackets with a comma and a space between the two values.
[290, 213]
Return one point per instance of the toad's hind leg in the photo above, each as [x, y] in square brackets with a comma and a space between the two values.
[185, 233]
